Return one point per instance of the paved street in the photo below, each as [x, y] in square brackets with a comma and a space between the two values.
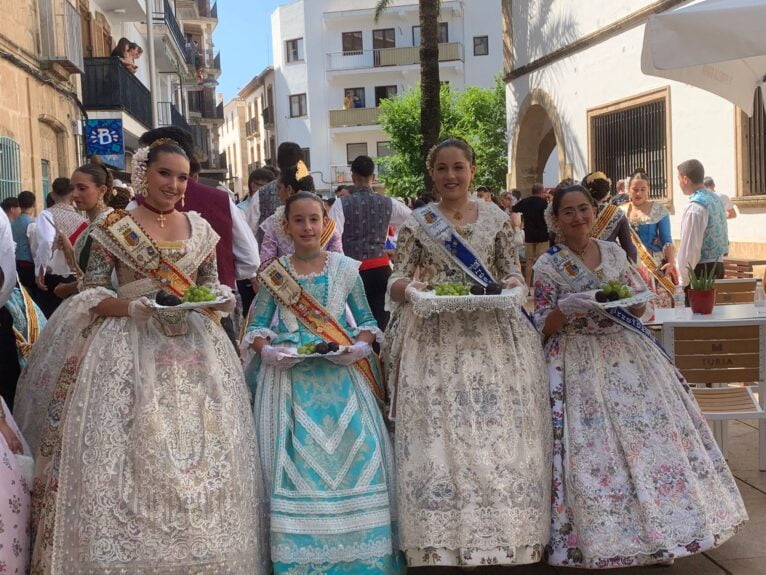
[744, 554]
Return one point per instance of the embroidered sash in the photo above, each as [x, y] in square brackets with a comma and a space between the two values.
[444, 235]
[606, 222]
[580, 279]
[140, 251]
[648, 261]
[288, 292]
[24, 342]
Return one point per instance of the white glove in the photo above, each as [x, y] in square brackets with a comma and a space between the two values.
[226, 307]
[412, 287]
[276, 357]
[513, 280]
[140, 311]
[354, 353]
[577, 304]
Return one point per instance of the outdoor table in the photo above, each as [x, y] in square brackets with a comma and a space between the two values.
[733, 315]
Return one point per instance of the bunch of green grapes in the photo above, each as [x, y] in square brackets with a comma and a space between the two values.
[307, 349]
[198, 294]
[452, 289]
[613, 290]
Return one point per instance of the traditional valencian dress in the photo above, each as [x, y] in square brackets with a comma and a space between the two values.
[157, 470]
[54, 357]
[651, 233]
[473, 433]
[15, 504]
[326, 454]
[637, 475]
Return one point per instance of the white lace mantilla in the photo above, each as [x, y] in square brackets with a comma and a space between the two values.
[426, 303]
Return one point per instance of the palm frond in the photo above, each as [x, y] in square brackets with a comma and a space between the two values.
[380, 8]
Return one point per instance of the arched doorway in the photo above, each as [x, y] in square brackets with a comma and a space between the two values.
[537, 135]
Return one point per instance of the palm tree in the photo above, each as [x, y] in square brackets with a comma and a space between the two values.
[430, 104]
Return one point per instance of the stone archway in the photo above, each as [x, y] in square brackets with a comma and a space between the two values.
[537, 133]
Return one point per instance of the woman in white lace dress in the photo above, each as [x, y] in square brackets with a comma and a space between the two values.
[473, 432]
[158, 470]
[637, 476]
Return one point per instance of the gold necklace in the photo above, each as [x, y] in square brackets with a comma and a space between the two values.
[456, 215]
[581, 254]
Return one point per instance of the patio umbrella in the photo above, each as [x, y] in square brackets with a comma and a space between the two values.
[716, 45]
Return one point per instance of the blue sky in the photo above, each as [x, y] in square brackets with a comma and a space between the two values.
[243, 36]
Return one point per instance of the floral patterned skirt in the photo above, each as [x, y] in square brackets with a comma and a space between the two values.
[637, 476]
[472, 438]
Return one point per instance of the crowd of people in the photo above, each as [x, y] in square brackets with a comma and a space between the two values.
[324, 412]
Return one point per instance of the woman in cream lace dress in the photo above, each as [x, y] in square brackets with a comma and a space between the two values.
[473, 430]
[158, 470]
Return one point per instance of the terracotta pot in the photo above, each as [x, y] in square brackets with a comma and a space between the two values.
[702, 301]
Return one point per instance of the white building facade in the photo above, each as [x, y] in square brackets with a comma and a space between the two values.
[578, 101]
[333, 65]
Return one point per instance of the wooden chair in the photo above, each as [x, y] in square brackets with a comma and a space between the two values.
[725, 362]
[733, 268]
[729, 291]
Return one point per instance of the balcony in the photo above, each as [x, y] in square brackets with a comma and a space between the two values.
[107, 85]
[354, 117]
[387, 57]
[168, 115]
[252, 129]
[268, 117]
[124, 10]
[342, 174]
[61, 35]
[163, 14]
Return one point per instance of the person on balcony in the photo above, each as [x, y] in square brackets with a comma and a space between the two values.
[122, 52]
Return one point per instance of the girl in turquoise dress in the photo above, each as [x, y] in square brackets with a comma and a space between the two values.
[327, 457]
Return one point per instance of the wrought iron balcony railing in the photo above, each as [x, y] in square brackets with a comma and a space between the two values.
[108, 85]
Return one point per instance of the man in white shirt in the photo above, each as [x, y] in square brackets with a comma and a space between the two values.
[50, 262]
[704, 235]
[731, 213]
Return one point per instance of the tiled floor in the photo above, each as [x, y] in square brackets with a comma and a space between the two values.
[744, 554]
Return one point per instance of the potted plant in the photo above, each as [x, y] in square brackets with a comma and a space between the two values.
[702, 290]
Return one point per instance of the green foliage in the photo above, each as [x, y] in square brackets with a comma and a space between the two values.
[703, 282]
[477, 115]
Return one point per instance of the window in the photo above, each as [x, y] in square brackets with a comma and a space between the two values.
[384, 149]
[751, 143]
[631, 134]
[354, 98]
[384, 93]
[294, 50]
[307, 157]
[443, 34]
[352, 43]
[355, 150]
[384, 38]
[10, 168]
[298, 106]
[46, 169]
[481, 45]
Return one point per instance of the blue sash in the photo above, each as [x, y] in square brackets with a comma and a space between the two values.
[443, 233]
[577, 275]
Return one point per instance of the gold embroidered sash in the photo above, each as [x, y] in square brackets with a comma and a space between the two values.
[313, 315]
[648, 261]
[605, 222]
[329, 230]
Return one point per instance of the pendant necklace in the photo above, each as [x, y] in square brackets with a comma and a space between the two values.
[581, 253]
[161, 218]
[457, 215]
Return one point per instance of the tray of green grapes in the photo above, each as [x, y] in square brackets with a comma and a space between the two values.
[455, 297]
[615, 294]
[195, 298]
[315, 349]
